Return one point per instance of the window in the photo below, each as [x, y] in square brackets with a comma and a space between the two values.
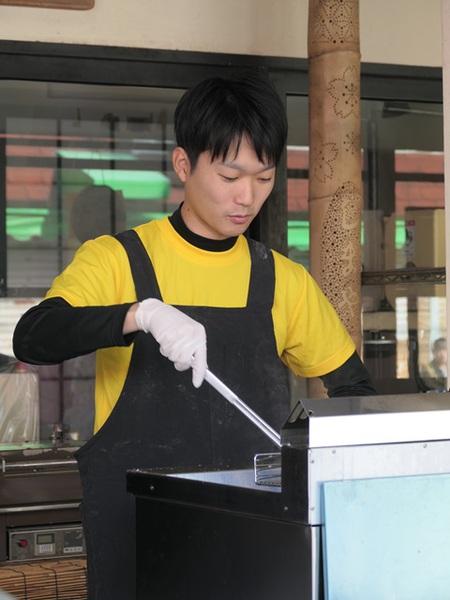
[80, 161]
[402, 227]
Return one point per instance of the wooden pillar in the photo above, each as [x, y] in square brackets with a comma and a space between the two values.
[335, 202]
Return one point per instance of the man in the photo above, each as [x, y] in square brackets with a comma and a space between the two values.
[435, 373]
[153, 298]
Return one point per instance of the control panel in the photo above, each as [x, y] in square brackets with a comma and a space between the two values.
[45, 542]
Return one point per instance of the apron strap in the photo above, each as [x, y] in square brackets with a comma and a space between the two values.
[141, 266]
[262, 279]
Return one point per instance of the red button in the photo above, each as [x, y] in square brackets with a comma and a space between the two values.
[22, 543]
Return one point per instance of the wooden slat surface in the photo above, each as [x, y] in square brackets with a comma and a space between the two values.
[46, 580]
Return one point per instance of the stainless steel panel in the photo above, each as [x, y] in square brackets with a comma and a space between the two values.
[378, 460]
[375, 419]
[241, 478]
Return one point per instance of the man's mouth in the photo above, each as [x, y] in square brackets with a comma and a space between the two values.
[239, 219]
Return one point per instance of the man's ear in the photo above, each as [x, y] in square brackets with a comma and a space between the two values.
[181, 164]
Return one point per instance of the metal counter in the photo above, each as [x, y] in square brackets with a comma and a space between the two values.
[217, 534]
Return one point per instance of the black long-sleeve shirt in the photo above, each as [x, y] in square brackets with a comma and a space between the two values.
[54, 331]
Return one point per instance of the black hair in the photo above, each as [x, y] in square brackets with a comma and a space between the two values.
[439, 344]
[217, 113]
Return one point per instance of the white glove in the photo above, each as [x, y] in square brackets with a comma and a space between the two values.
[181, 339]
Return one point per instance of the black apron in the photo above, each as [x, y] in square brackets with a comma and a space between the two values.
[161, 420]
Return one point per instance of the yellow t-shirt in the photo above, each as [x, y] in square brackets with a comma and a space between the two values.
[311, 339]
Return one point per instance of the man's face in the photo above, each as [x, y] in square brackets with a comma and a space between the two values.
[224, 196]
[441, 355]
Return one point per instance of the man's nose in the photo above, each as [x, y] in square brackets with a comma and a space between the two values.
[245, 193]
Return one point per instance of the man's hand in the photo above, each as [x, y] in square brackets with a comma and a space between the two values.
[181, 339]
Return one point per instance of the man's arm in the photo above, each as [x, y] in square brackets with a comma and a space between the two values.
[54, 331]
[350, 379]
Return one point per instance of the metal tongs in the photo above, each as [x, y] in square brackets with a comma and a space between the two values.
[225, 391]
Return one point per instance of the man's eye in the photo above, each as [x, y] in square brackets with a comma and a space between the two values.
[265, 179]
[225, 178]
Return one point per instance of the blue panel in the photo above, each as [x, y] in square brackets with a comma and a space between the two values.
[387, 538]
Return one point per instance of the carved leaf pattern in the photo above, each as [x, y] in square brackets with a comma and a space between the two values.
[352, 143]
[337, 22]
[340, 243]
[345, 91]
[325, 156]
